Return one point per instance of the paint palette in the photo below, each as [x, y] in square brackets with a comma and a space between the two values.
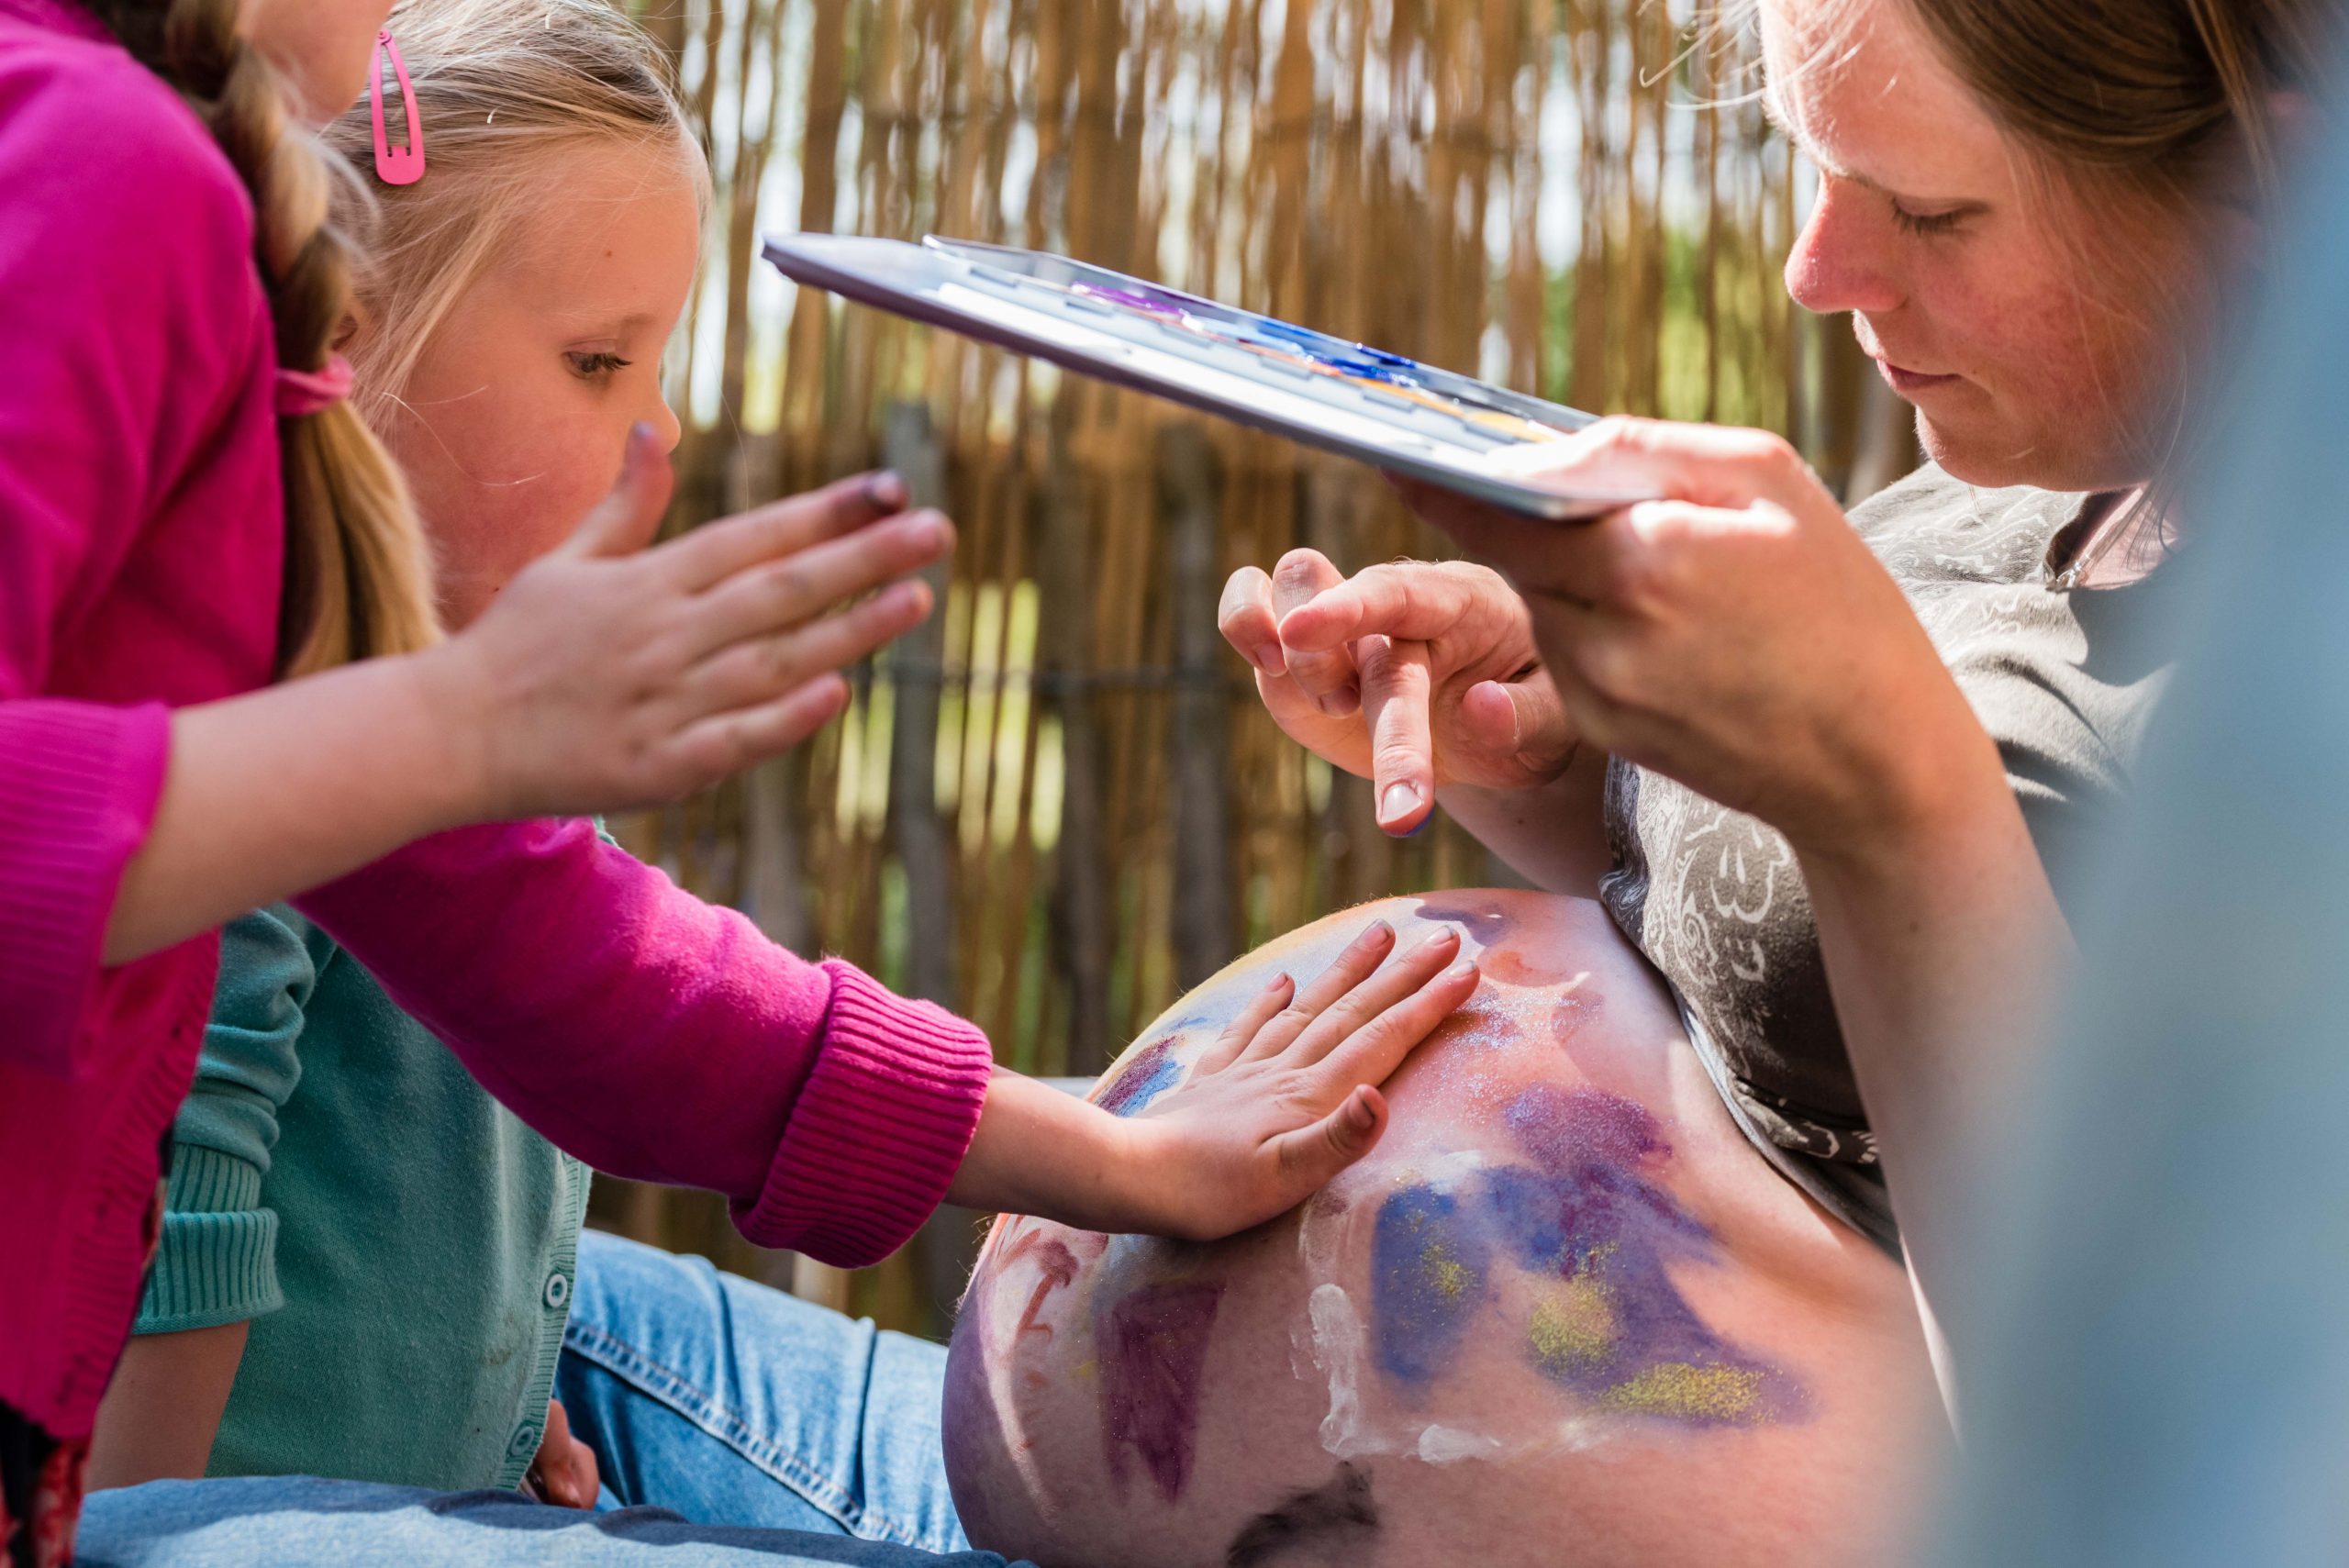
[1450, 430]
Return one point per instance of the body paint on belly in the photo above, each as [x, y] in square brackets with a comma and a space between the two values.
[1615, 1330]
[1153, 1351]
[1429, 1270]
[1153, 1072]
[1057, 1265]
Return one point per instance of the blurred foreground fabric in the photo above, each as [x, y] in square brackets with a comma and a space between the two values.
[2156, 1361]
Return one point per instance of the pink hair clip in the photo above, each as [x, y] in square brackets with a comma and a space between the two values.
[395, 165]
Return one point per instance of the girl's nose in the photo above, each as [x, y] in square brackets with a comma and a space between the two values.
[666, 425]
[1843, 260]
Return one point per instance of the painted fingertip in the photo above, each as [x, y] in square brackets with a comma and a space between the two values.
[886, 491]
[1378, 931]
[1465, 970]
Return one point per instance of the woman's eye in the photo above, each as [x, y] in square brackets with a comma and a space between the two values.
[596, 366]
[1927, 222]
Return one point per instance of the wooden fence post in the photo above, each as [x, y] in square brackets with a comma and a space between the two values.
[1080, 912]
[917, 662]
[1191, 487]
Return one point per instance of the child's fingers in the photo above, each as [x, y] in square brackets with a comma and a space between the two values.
[1242, 1030]
[1311, 1156]
[716, 550]
[758, 670]
[1374, 997]
[1360, 957]
[718, 746]
[1371, 1053]
[776, 594]
[627, 519]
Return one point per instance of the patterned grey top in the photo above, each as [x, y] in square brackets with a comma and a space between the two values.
[1715, 899]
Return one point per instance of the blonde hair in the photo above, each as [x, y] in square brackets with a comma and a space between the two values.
[358, 581]
[498, 85]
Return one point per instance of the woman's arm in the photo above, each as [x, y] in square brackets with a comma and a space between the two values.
[1741, 637]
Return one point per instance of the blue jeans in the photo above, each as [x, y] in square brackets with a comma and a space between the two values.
[804, 1438]
[299, 1521]
[734, 1404]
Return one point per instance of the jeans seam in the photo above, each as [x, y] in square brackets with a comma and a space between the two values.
[624, 1359]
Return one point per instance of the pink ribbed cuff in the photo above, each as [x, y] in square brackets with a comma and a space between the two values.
[879, 1127]
[78, 787]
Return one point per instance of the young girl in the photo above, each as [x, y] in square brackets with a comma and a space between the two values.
[389, 1297]
[137, 451]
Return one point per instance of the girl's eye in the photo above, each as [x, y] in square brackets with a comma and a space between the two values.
[1927, 223]
[596, 366]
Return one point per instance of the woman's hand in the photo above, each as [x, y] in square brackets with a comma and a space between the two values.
[1737, 635]
[1286, 1098]
[1416, 675]
[609, 675]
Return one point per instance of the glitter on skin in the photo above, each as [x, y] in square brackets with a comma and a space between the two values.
[1709, 1396]
[1151, 1074]
[1575, 1330]
[1430, 1264]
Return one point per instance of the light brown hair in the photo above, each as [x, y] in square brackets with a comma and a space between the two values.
[358, 581]
[2168, 95]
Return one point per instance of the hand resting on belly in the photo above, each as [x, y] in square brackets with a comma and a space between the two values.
[1562, 1313]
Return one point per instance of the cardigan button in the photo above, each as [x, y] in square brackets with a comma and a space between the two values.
[558, 1291]
[526, 1441]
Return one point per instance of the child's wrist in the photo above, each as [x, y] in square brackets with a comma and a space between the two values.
[451, 723]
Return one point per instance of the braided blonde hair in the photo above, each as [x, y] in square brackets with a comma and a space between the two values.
[358, 581]
[500, 85]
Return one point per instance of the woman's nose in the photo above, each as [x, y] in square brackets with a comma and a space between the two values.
[1842, 260]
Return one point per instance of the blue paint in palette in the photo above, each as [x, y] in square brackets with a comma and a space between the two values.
[1430, 1270]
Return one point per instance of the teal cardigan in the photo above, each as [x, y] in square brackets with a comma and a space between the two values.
[402, 1246]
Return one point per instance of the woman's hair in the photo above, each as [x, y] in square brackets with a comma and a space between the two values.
[357, 581]
[2165, 95]
[500, 86]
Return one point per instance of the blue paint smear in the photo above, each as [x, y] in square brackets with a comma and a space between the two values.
[1142, 1080]
[1431, 1268]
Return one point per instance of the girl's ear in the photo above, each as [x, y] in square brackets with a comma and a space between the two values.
[355, 328]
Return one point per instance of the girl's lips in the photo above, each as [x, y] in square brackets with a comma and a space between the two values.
[1909, 382]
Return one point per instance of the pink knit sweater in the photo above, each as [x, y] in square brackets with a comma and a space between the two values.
[140, 544]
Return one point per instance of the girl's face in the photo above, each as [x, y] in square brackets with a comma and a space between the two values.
[1966, 282]
[324, 48]
[514, 422]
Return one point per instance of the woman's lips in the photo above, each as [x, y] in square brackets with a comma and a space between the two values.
[1908, 382]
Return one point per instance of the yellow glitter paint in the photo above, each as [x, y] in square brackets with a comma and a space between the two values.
[1447, 1273]
[1574, 1329]
[1688, 1392]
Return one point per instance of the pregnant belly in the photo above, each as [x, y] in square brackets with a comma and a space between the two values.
[1562, 1314]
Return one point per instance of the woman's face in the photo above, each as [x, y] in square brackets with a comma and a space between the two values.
[514, 422]
[1966, 282]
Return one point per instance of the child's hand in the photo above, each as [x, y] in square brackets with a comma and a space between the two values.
[1285, 1099]
[566, 1472]
[1287, 1096]
[608, 675]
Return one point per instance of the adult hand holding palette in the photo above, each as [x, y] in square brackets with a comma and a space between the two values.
[1450, 430]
